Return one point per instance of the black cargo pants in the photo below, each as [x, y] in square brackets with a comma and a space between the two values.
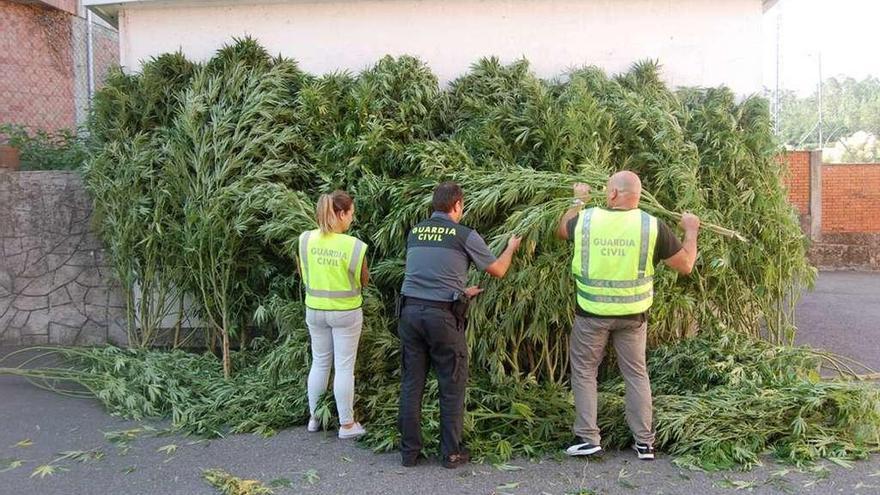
[431, 335]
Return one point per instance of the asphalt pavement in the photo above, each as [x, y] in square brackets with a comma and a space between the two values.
[842, 315]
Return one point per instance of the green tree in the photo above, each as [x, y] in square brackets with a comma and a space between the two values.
[848, 106]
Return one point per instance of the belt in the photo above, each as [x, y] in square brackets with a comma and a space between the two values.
[426, 302]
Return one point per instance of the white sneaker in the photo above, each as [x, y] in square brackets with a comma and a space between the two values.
[353, 431]
[314, 424]
[582, 447]
[644, 451]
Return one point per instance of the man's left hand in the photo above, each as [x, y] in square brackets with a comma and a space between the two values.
[472, 291]
[581, 191]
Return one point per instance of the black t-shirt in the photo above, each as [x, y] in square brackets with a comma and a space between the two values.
[667, 246]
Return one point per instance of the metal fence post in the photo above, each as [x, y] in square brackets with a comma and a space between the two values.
[816, 195]
[90, 56]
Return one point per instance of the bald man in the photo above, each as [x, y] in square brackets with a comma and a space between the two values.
[615, 250]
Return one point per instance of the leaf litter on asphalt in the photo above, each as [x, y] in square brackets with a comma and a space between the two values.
[80, 455]
[10, 464]
[281, 483]
[503, 489]
[736, 484]
[841, 462]
[507, 467]
[169, 449]
[47, 470]
[311, 476]
[622, 479]
[122, 439]
[229, 484]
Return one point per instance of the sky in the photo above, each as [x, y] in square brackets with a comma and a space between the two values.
[844, 32]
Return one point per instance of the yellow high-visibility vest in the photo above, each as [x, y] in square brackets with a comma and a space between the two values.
[612, 263]
[330, 265]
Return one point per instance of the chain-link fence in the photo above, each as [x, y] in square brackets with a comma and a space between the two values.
[96, 50]
[51, 62]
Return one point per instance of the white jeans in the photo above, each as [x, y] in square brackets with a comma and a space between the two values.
[335, 336]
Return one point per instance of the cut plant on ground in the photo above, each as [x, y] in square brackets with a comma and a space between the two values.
[203, 176]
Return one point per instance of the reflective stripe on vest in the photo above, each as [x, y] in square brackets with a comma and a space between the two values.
[324, 289]
[617, 278]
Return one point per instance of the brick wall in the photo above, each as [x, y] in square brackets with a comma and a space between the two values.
[69, 6]
[850, 193]
[105, 53]
[845, 226]
[797, 180]
[851, 198]
[36, 72]
[44, 70]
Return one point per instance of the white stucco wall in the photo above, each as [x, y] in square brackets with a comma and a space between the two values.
[699, 42]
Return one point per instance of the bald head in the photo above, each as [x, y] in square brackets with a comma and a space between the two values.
[624, 189]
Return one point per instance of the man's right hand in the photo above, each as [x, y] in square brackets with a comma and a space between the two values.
[683, 261]
[513, 242]
[690, 222]
[499, 268]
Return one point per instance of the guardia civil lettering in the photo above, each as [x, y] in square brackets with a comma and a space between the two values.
[613, 247]
[432, 233]
[327, 257]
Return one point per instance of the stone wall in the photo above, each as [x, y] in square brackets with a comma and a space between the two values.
[55, 284]
[847, 251]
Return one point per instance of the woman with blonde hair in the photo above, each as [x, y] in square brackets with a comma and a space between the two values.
[334, 270]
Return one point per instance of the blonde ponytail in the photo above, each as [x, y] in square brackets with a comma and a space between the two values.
[330, 207]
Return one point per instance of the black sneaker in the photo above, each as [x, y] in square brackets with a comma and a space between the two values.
[410, 460]
[645, 451]
[581, 447]
[453, 461]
